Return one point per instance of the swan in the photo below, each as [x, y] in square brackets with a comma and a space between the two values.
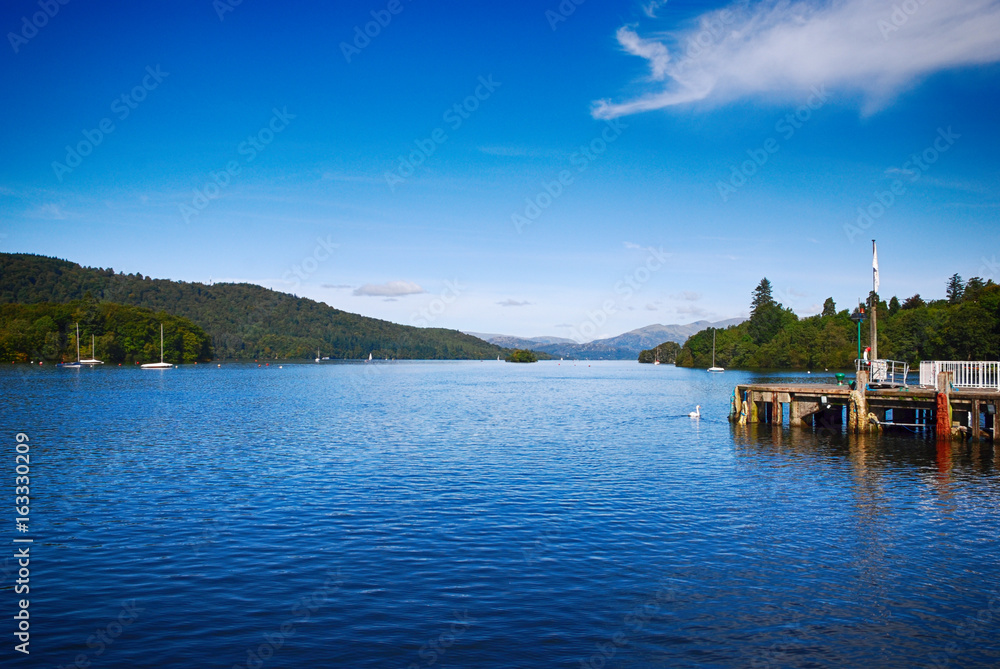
[696, 413]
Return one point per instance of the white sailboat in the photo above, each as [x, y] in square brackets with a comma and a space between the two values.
[369, 357]
[317, 355]
[713, 368]
[160, 364]
[75, 364]
[93, 355]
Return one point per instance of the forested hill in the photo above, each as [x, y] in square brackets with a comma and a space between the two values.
[963, 326]
[244, 321]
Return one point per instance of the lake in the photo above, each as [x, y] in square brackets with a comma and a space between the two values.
[482, 514]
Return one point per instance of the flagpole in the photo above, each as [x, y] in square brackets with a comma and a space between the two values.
[874, 303]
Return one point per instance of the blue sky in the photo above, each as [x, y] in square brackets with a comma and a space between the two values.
[525, 168]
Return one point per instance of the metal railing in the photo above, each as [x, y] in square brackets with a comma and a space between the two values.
[974, 374]
[884, 371]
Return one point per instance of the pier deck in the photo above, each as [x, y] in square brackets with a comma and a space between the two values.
[947, 412]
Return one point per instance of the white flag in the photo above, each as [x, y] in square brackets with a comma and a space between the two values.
[875, 265]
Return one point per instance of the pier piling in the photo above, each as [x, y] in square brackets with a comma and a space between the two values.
[915, 409]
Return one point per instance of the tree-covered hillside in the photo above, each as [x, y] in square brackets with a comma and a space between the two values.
[243, 320]
[965, 326]
[665, 353]
[117, 333]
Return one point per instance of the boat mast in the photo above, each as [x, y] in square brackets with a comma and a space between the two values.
[161, 343]
[874, 303]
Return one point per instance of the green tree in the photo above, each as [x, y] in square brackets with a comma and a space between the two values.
[522, 355]
[973, 287]
[829, 307]
[914, 302]
[761, 297]
[893, 305]
[665, 353]
[955, 289]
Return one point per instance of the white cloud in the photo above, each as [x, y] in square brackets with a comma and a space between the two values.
[633, 245]
[655, 52]
[390, 289]
[513, 303]
[781, 49]
[688, 295]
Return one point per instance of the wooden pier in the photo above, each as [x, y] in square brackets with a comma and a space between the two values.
[943, 411]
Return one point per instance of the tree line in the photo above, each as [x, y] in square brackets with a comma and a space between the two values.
[242, 321]
[665, 353]
[963, 326]
[113, 333]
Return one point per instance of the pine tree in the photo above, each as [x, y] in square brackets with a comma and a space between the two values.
[761, 297]
[955, 289]
[829, 307]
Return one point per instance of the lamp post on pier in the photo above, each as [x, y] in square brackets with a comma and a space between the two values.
[859, 317]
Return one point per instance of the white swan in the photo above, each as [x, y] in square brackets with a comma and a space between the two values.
[696, 413]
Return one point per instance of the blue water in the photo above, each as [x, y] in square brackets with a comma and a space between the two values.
[482, 514]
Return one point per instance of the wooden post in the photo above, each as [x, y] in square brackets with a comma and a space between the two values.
[943, 413]
[974, 420]
[753, 416]
[799, 411]
[777, 413]
[857, 417]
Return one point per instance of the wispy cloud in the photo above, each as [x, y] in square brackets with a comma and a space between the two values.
[780, 48]
[520, 152]
[335, 286]
[389, 289]
[692, 310]
[632, 245]
[653, 51]
[649, 8]
[687, 295]
[49, 212]
[513, 303]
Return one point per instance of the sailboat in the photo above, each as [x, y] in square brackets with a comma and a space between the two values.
[317, 355]
[93, 352]
[76, 364]
[713, 368]
[160, 364]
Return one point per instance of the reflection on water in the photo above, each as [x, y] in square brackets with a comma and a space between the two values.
[487, 514]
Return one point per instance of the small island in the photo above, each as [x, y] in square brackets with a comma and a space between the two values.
[522, 355]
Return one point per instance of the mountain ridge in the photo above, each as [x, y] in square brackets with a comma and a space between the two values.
[625, 346]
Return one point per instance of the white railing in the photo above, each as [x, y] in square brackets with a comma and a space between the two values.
[884, 371]
[967, 374]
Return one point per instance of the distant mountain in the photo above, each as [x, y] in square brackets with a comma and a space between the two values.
[243, 320]
[623, 347]
[508, 341]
